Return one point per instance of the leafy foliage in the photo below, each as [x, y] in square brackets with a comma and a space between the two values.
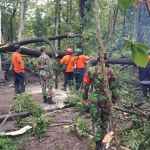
[7, 144]
[139, 52]
[26, 103]
[40, 128]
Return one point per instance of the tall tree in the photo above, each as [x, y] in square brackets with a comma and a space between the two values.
[22, 20]
[15, 6]
[57, 32]
[108, 93]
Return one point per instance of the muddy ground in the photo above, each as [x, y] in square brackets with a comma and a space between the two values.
[56, 138]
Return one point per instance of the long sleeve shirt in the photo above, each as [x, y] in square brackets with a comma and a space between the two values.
[94, 83]
[45, 66]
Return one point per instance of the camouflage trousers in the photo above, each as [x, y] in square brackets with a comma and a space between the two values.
[46, 83]
[99, 116]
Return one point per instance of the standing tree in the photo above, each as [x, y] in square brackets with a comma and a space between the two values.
[108, 93]
[22, 20]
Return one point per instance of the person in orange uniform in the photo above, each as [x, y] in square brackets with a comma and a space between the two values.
[18, 68]
[79, 67]
[68, 59]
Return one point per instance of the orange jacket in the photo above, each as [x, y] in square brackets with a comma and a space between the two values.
[18, 63]
[70, 66]
[80, 60]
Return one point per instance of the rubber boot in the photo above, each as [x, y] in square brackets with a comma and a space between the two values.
[17, 91]
[50, 101]
[98, 145]
[64, 88]
[44, 99]
[22, 88]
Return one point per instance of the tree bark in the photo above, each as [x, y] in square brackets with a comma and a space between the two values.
[148, 6]
[81, 17]
[70, 15]
[57, 32]
[108, 93]
[22, 20]
[11, 21]
[123, 25]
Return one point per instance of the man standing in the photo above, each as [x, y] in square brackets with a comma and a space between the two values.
[18, 68]
[98, 101]
[68, 73]
[46, 76]
[144, 77]
[79, 67]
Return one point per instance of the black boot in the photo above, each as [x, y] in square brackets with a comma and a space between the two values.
[44, 99]
[98, 145]
[22, 88]
[50, 101]
[17, 91]
[64, 89]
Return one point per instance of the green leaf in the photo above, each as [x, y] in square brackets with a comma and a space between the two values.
[139, 54]
[143, 46]
[2, 133]
[123, 5]
[127, 46]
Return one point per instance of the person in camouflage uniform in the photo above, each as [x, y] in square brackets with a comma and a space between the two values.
[98, 101]
[46, 76]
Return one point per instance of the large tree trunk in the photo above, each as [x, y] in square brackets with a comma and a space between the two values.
[123, 25]
[22, 20]
[81, 17]
[11, 21]
[139, 26]
[113, 22]
[148, 6]
[108, 93]
[57, 32]
[9, 47]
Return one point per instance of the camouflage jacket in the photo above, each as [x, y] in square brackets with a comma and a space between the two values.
[94, 77]
[45, 66]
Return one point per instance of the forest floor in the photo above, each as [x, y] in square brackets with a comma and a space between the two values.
[56, 138]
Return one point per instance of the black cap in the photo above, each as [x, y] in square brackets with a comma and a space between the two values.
[42, 49]
[16, 47]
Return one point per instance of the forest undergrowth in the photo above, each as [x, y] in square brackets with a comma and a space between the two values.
[134, 126]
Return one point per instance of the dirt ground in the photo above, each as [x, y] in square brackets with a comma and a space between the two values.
[56, 138]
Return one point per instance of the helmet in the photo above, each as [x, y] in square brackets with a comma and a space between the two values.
[148, 52]
[78, 51]
[69, 51]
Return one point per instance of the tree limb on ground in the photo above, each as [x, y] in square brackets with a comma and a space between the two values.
[25, 114]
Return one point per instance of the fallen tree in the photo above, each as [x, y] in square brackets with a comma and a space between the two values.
[5, 48]
[8, 48]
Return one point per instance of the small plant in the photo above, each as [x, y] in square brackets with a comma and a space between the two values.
[26, 103]
[22, 142]
[40, 128]
[81, 127]
[7, 144]
[19, 122]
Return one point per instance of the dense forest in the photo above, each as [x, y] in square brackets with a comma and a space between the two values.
[28, 19]
[95, 26]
